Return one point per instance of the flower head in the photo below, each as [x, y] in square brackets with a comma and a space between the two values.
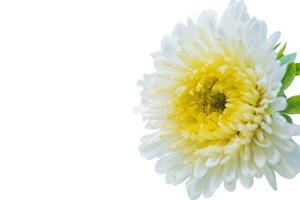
[214, 107]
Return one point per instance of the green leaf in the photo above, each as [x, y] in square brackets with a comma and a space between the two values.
[288, 59]
[281, 93]
[276, 46]
[287, 117]
[289, 76]
[297, 69]
[293, 105]
[280, 52]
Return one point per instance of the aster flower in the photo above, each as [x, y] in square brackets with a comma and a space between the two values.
[216, 104]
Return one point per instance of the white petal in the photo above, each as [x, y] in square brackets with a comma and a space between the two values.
[200, 169]
[272, 155]
[230, 185]
[258, 156]
[283, 129]
[271, 178]
[193, 188]
[208, 19]
[164, 164]
[246, 181]
[169, 47]
[285, 145]
[279, 104]
[178, 175]
[286, 168]
[247, 168]
[214, 181]
[207, 31]
[152, 150]
[229, 171]
[265, 143]
[273, 39]
[150, 138]
[211, 162]
[232, 18]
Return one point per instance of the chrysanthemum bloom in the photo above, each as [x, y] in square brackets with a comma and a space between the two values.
[216, 105]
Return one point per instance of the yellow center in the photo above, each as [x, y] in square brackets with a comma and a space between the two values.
[214, 101]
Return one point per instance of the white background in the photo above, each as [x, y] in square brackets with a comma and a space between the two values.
[67, 88]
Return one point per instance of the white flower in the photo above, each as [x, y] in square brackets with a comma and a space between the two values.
[214, 108]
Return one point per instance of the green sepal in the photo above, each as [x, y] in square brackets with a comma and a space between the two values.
[280, 52]
[297, 69]
[293, 105]
[276, 46]
[288, 118]
[287, 59]
[281, 93]
[289, 76]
